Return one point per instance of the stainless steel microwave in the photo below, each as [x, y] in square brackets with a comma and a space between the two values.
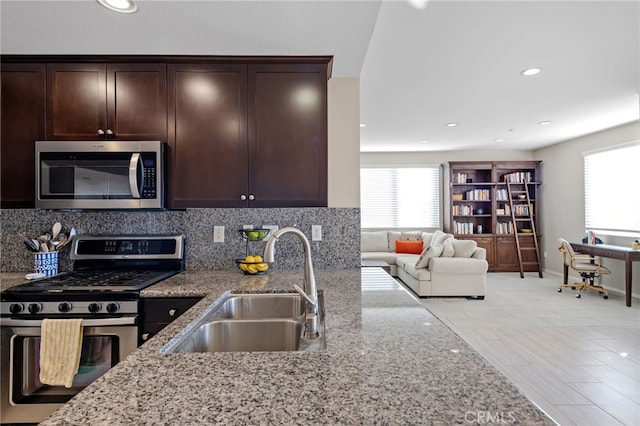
[100, 174]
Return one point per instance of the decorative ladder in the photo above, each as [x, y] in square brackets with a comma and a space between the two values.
[518, 217]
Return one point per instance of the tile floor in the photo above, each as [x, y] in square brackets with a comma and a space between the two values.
[577, 359]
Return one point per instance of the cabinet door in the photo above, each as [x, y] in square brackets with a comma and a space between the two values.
[137, 101]
[22, 119]
[207, 135]
[484, 242]
[288, 135]
[76, 101]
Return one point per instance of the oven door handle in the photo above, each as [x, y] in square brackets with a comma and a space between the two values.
[135, 163]
[103, 322]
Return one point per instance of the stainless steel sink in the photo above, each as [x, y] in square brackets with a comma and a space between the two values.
[251, 322]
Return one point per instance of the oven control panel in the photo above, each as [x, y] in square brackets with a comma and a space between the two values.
[75, 308]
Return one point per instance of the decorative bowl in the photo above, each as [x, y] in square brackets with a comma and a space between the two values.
[526, 231]
[254, 234]
[252, 268]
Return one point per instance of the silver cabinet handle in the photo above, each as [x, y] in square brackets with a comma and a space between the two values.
[172, 312]
[251, 197]
[109, 132]
[100, 132]
[134, 163]
[243, 197]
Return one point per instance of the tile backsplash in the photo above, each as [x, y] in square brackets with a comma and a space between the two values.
[339, 248]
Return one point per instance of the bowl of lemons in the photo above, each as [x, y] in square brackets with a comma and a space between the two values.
[252, 265]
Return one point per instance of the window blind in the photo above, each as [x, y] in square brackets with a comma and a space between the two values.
[611, 197]
[400, 197]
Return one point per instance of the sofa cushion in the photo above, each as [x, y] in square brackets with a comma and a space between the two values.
[374, 241]
[458, 265]
[464, 248]
[411, 236]
[385, 256]
[393, 236]
[447, 248]
[414, 247]
[439, 237]
[428, 253]
[426, 238]
[409, 266]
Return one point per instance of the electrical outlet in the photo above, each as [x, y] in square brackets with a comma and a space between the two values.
[316, 233]
[218, 234]
[247, 226]
[271, 228]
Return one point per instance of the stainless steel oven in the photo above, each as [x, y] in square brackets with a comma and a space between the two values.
[25, 399]
[100, 174]
[104, 291]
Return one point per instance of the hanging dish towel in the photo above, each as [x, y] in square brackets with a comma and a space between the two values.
[60, 348]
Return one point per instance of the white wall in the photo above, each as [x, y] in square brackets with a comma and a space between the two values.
[562, 204]
[344, 142]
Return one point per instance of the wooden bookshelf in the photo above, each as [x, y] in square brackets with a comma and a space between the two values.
[477, 207]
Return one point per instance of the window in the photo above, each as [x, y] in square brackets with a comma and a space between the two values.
[612, 205]
[400, 197]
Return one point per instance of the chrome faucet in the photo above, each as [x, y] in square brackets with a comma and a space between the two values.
[310, 292]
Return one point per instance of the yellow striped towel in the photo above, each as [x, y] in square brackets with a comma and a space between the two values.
[60, 348]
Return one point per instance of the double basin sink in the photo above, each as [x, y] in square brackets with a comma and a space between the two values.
[252, 322]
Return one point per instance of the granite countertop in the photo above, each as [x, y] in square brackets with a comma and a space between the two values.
[388, 361]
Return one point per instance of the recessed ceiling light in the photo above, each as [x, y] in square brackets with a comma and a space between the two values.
[363, 125]
[122, 6]
[544, 123]
[499, 140]
[530, 71]
[452, 124]
[425, 141]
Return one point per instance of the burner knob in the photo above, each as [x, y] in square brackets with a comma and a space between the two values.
[16, 308]
[94, 307]
[34, 308]
[64, 307]
[112, 307]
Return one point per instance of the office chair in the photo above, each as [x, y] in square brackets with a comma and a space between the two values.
[588, 267]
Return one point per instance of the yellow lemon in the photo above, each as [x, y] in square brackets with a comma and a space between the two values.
[242, 266]
[262, 267]
[251, 269]
[249, 259]
[257, 258]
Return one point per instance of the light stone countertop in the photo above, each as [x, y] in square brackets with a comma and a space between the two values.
[388, 361]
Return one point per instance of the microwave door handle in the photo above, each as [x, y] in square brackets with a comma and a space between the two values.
[134, 163]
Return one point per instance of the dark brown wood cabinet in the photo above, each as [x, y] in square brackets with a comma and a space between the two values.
[208, 152]
[248, 135]
[22, 117]
[477, 207]
[89, 101]
[157, 313]
[288, 135]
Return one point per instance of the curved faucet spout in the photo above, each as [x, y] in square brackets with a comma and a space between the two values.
[310, 292]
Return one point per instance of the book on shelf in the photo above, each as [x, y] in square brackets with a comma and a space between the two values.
[518, 177]
[462, 210]
[478, 195]
[504, 228]
[462, 227]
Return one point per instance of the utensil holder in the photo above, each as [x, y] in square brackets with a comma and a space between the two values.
[46, 263]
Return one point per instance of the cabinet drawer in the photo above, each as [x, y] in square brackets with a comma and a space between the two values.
[165, 310]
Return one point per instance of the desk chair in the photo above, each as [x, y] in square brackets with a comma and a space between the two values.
[588, 267]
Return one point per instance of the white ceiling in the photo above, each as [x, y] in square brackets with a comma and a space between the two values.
[421, 64]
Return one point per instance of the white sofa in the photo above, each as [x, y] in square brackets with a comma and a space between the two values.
[439, 270]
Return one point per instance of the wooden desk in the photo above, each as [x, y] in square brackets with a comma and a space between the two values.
[627, 254]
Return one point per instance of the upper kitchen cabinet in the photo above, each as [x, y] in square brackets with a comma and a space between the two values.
[250, 134]
[207, 141]
[22, 117]
[89, 101]
[287, 134]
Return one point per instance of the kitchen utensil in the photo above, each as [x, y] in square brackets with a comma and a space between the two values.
[30, 246]
[60, 241]
[44, 248]
[55, 230]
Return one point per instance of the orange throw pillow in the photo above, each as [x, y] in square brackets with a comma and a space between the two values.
[413, 247]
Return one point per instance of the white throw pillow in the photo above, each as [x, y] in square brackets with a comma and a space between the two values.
[447, 248]
[464, 248]
[428, 253]
[374, 241]
[439, 237]
[393, 237]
